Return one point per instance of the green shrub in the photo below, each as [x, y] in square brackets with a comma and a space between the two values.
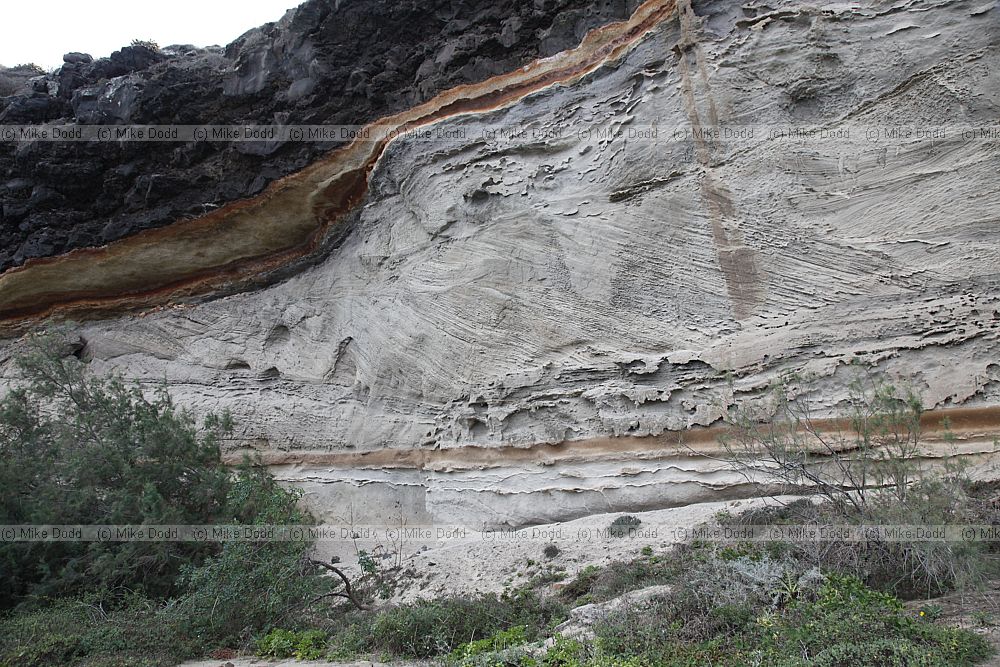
[79, 632]
[499, 641]
[878, 652]
[251, 584]
[594, 584]
[82, 450]
[564, 653]
[867, 473]
[76, 449]
[759, 582]
[223, 601]
[983, 618]
[303, 645]
[438, 627]
[623, 525]
[911, 570]
[518, 656]
[581, 584]
[841, 622]
[845, 592]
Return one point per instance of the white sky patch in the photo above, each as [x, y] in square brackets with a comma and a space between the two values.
[42, 31]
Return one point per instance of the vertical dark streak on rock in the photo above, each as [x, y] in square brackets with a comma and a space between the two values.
[739, 264]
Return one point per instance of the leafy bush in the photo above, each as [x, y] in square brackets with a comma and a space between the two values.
[759, 582]
[909, 569]
[594, 584]
[82, 450]
[582, 583]
[81, 632]
[304, 645]
[563, 653]
[499, 641]
[621, 526]
[518, 656]
[853, 466]
[375, 579]
[866, 475]
[882, 653]
[251, 584]
[438, 627]
[223, 601]
[840, 622]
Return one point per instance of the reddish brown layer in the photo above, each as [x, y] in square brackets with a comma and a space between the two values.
[288, 221]
[967, 426]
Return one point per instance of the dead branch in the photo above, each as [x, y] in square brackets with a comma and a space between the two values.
[347, 593]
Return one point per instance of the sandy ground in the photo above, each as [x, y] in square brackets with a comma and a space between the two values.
[495, 562]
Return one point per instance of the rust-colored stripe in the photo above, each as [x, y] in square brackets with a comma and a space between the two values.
[966, 425]
[289, 221]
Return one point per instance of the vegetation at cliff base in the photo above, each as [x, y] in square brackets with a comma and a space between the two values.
[758, 610]
[76, 450]
[80, 450]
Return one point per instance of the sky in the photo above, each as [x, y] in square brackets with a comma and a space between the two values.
[42, 31]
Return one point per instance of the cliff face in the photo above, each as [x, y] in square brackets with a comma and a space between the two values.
[542, 325]
[325, 62]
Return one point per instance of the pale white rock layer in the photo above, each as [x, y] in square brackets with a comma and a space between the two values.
[565, 285]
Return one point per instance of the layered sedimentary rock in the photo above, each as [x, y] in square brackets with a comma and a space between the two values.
[326, 62]
[553, 321]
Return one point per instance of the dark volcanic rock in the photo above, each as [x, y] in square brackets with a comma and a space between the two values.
[327, 62]
[78, 58]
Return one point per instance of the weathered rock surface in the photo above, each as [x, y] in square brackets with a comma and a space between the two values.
[325, 62]
[522, 331]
